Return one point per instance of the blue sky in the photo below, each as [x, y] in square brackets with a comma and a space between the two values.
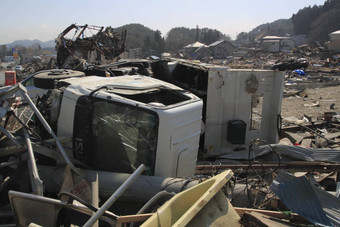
[44, 20]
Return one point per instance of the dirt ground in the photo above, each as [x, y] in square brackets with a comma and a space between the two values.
[294, 106]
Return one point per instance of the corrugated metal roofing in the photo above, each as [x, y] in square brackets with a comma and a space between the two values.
[216, 43]
[274, 37]
[330, 205]
[316, 205]
[195, 45]
[203, 48]
[219, 42]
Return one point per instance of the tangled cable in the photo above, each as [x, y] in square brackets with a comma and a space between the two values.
[259, 182]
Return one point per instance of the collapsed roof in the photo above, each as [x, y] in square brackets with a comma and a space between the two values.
[71, 52]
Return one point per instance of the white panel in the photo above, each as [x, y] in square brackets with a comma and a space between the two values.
[66, 117]
[229, 100]
[177, 146]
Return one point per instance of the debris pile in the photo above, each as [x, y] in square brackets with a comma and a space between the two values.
[79, 50]
[36, 66]
[299, 176]
[321, 135]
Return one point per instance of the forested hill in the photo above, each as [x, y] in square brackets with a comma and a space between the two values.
[139, 36]
[279, 28]
[318, 21]
[136, 35]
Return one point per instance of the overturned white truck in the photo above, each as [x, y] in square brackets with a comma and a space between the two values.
[118, 123]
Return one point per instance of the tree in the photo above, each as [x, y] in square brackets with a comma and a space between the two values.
[317, 21]
[158, 36]
[3, 51]
[146, 43]
[160, 43]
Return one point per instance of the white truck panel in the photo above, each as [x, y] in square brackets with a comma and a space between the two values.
[227, 99]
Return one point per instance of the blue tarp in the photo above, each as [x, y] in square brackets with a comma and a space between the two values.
[300, 72]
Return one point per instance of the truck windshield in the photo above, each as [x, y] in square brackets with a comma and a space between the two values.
[122, 138]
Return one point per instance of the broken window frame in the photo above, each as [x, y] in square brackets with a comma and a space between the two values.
[256, 111]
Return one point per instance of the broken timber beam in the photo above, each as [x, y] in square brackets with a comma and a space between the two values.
[275, 214]
[132, 218]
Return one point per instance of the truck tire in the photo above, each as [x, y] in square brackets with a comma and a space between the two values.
[46, 80]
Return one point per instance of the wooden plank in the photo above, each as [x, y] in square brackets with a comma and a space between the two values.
[275, 214]
[262, 220]
[132, 218]
[298, 128]
[286, 141]
[306, 142]
[294, 137]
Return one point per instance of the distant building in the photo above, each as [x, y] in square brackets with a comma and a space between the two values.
[277, 44]
[334, 41]
[135, 53]
[221, 49]
[201, 53]
[299, 40]
[271, 46]
[9, 58]
[191, 48]
[198, 51]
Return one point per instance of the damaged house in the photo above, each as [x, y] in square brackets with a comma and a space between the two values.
[221, 49]
[334, 41]
[202, 53]
[218, 50]
[189, 50]
[277, 44]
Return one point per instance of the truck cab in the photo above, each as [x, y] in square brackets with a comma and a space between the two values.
[117, 123]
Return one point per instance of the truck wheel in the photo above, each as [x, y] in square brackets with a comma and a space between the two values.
[46, 79]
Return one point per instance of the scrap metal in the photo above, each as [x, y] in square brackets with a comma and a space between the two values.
[72, 52]
[300, 196]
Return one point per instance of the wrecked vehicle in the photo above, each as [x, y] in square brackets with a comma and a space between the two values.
[146, 121]
[37, 84]
[291, 64]
[120, 68]
[118, 123]
[73, 52]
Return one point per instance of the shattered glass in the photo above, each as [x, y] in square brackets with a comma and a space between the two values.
[124, 137]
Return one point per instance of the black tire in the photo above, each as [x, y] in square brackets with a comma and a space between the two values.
[46, 79]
